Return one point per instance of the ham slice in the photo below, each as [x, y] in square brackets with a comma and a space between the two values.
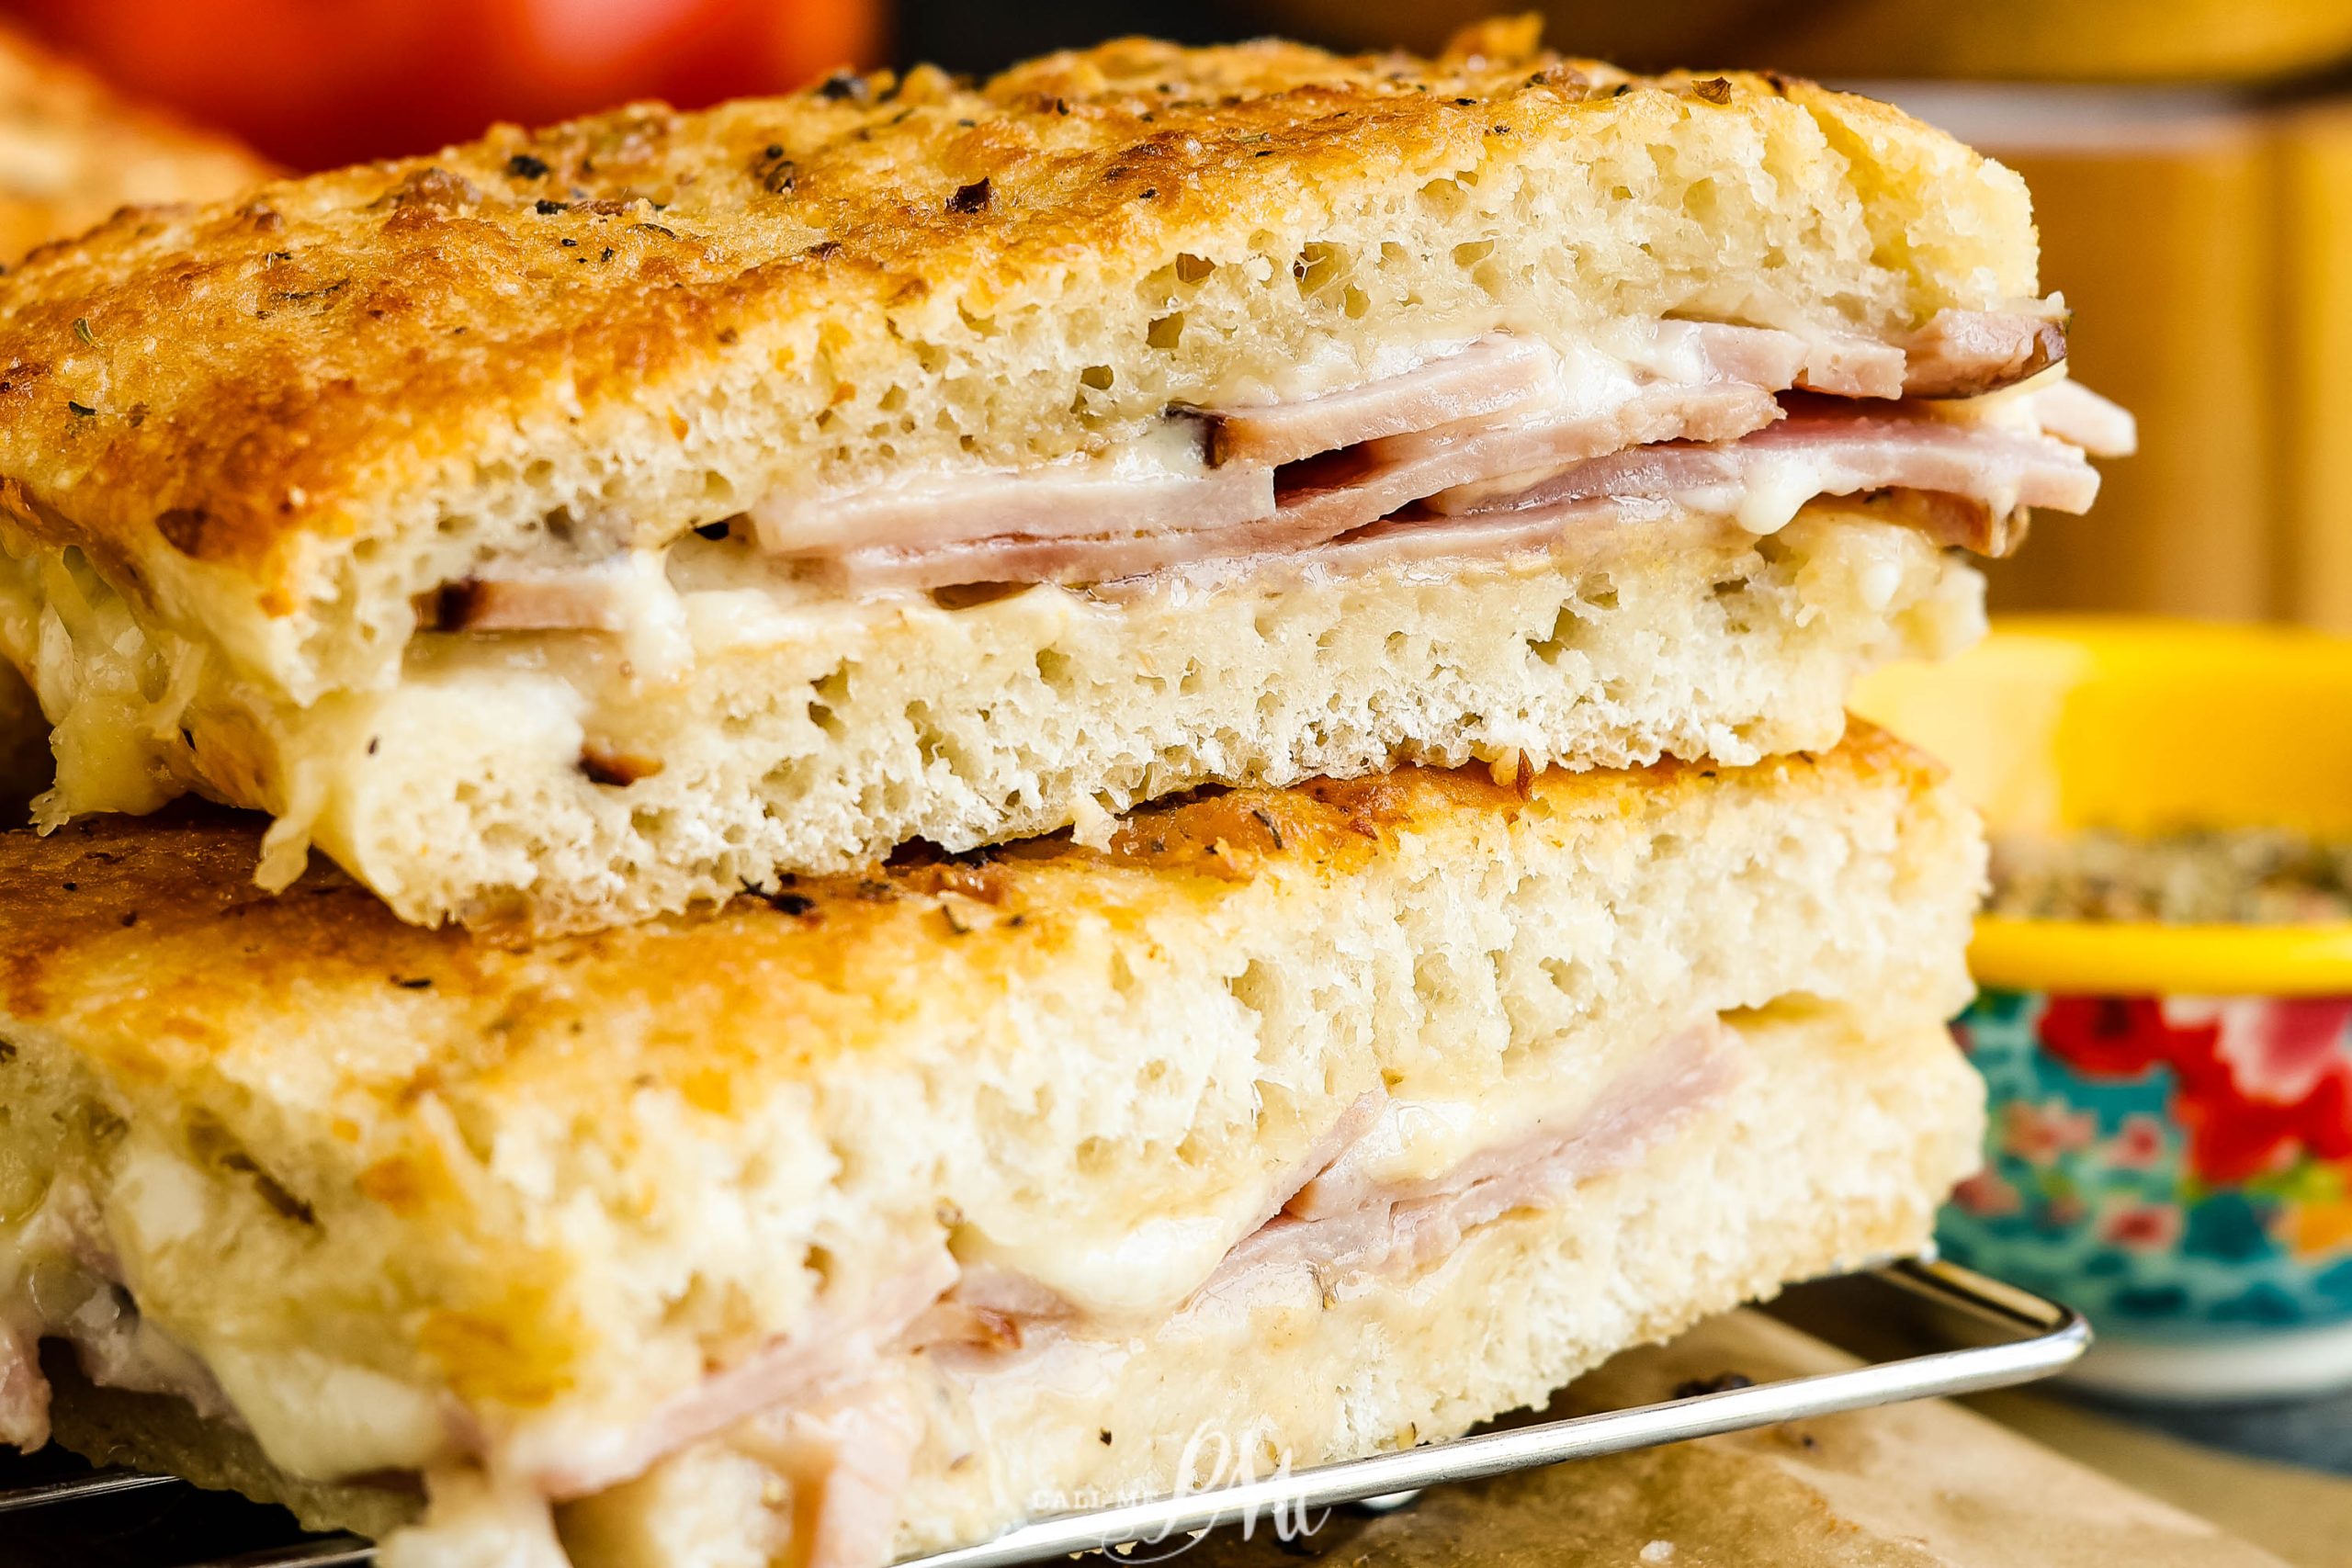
[1173, 492]
[597, 598]
[1504, 422]
[1503, 378]
[1958, 354]
[1330, 495]
[1486, 378]
[1417, 535]
[1847, 364]
[1670, 479]
[574, 601]
[848, 1462]
[1822, 449]
[840, 1344]
[1352, 1221]
[1365, 484]
[1965, 354]
[1684, 1070]
[1016, 558]
[118, 1348]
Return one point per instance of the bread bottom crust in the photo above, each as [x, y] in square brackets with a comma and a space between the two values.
[1300, 1369]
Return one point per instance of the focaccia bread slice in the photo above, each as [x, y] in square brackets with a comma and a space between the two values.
[407, 1203]
[577, 525]
[1292, 1365]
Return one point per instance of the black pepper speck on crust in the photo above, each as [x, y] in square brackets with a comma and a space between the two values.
[776, 174]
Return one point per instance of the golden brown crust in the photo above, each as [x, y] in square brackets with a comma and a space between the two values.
[72, 151]
[261, 372]
[150, 929]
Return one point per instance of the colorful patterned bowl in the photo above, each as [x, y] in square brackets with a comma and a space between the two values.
[2171, 1138]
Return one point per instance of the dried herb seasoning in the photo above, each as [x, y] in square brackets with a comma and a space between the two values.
[2199, 877]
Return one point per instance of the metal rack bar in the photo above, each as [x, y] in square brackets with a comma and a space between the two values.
[76, 1488]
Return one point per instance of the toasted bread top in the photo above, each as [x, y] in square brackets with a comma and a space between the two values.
[145, 944]
[272, 421]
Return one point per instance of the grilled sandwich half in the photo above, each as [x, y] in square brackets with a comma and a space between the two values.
[576, 526]
[876, 1213]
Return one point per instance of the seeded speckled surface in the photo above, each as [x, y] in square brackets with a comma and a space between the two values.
[306, 406]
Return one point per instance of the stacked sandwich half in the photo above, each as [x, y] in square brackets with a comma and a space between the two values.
[1024, 789]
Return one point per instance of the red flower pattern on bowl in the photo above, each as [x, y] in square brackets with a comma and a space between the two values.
[2148, 1227]
[2261, 1079]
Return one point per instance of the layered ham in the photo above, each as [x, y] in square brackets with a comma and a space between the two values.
[1818, 449]
[1386, 1192]
[1702, 417]
[1361, 1207]
[1363, 1198]
[1363, 1203]
[1503, 443]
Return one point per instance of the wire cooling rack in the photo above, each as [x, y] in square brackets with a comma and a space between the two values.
[1972, 1332]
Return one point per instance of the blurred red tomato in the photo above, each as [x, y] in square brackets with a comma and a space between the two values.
[317, 83]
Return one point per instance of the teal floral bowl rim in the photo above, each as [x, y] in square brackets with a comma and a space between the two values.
[2177, 1167]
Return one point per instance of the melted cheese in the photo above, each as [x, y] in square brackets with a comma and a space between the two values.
[313, 1415]
[109, 687]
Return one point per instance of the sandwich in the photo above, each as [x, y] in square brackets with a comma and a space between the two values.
[578, 525]
[72, 153]
[873, 1212]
